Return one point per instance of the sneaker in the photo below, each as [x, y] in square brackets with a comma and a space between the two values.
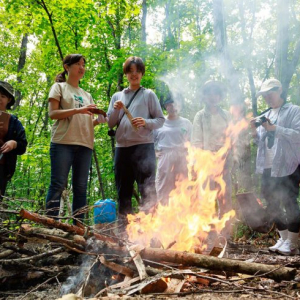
[277, 245]
[288, 248]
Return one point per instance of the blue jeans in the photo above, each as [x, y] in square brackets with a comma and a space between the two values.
[63, 157]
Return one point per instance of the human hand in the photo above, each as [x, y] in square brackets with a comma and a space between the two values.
[118, 105]
[268, 125]
[86, 109]
[101, 119]
[8, 146]
[158, 154]
[138, 122]
[252, 123]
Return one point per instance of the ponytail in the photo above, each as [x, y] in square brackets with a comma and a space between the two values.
[68, 60]
[61, 77]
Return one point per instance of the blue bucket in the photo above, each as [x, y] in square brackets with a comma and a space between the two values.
[105, 211]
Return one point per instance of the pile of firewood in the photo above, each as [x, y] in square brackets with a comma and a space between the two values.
[111, 266]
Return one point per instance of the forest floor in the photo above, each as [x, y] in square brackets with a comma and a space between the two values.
[27, 272]
[261, 288]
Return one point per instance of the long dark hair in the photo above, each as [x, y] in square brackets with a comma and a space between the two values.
[68, 60]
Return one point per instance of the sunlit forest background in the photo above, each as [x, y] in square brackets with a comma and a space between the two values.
[183, 43]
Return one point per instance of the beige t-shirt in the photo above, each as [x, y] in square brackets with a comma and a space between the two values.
[77, 129]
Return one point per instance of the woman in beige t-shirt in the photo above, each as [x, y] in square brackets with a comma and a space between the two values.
[72, 137]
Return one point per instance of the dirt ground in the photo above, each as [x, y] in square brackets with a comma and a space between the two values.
[258, 288]
[48, 276]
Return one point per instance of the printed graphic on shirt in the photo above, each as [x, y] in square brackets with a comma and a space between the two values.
[79, 101]
[183, 131]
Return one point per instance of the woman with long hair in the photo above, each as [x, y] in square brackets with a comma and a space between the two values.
[72, 138]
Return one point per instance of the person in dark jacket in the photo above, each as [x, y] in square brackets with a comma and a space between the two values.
[12, 136]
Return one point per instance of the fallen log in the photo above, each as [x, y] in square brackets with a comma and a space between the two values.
[56, 239]
[184, 258]
[63, 226]
[275, 272]
[6, 253]
[117, 268]
[75, 243]
[29, 259]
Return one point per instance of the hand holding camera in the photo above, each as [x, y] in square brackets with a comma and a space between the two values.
[259, 121]
[263, 121]
[270, 128]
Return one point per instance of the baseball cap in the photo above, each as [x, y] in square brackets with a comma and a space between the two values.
[268, 85]
[10, 90]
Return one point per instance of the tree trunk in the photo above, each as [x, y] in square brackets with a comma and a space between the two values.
[21, 64]
[221, 45]
[168, 37]
[143, 21]
[236, 95]
[248, 49]
[285, 67]
[44, 6]
[99, 174]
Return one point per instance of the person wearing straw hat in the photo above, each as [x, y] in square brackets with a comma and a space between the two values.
[277, 134]
[12, 136]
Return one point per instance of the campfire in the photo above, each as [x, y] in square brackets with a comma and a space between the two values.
[159, 256]
[184, 224]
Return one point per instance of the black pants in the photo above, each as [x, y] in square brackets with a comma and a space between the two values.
[135, 163]
[281, 195]
[3, 181]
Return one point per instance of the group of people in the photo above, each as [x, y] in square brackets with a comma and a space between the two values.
[151, 148]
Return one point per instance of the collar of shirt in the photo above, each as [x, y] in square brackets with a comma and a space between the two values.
[128, 90]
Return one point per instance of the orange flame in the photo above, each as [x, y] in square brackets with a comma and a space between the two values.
[191, 213]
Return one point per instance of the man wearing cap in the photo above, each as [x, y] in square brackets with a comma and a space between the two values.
[12, 136]
[209, 129]
[170, 148]
[278, 158]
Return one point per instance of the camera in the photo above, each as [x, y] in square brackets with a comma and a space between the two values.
[111, 132]
[259, 121]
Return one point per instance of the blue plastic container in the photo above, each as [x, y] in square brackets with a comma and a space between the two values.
[105, 211]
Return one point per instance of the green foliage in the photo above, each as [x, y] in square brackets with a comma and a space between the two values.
[107, 32]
